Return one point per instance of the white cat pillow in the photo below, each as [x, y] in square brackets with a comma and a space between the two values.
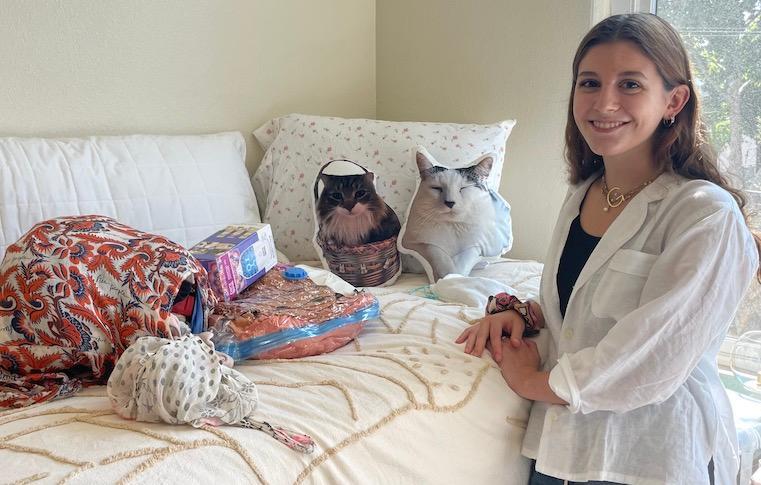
[455, 219]
[355, 230]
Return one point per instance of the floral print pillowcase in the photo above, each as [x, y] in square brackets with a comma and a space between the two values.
[297, 146]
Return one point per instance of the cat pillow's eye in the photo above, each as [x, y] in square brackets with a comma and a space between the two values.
[438, 189]
[336, 196]
[360, 193]
[466, 187]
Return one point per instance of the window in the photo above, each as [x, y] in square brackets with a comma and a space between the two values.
[724, 41]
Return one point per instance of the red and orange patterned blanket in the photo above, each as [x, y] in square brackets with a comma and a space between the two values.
[74, 293]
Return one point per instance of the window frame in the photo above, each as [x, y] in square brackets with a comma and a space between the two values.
[605, 8]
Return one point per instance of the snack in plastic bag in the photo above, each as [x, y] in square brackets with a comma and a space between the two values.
[287, 315]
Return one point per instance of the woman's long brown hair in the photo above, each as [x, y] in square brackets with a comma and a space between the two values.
[682, 148]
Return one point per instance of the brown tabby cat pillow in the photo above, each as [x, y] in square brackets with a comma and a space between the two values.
[355, 230]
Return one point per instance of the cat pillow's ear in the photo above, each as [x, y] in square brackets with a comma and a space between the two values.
[319, 184]
[483, 166]
[423, 160]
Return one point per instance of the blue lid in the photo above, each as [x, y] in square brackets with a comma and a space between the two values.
[294, 274]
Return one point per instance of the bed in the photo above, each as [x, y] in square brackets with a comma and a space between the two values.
[400, 404]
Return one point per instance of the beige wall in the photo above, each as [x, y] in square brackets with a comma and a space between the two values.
[83, 67]
[483, 61]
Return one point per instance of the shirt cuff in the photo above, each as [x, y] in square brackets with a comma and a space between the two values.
[563, 383]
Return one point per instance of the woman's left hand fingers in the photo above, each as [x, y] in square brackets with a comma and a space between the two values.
[463, 336]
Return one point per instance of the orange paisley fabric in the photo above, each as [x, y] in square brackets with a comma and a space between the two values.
[75, 292]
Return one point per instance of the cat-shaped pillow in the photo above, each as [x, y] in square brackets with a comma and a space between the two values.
[356, 231]
[455, 219]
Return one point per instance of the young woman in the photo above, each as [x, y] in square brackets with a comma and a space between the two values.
[648, 262]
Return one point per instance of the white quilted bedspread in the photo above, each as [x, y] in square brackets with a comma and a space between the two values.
[402, 404]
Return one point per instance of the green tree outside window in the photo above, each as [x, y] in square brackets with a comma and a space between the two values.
[723, 38]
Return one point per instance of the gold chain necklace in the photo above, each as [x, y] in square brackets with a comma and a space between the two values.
[614, 197]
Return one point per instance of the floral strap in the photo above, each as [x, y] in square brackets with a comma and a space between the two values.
[295, 441]
[502, 302]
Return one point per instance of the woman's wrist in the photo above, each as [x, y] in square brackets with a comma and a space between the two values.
[533, 384]
[502, 302]
[518, 379]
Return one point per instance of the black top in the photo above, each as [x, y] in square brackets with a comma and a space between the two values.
[578, 248]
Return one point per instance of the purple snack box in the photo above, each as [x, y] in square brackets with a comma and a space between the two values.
[236, 256]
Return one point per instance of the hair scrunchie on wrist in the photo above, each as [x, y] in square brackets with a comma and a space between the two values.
[502, 302]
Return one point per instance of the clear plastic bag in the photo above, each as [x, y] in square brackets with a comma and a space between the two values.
[282, 317]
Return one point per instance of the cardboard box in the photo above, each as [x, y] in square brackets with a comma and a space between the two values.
[236, 256]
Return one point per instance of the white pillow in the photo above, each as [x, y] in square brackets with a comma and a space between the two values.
[182, 187]
[298, 145]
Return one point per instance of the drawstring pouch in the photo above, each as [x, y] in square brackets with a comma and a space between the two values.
[185, 381]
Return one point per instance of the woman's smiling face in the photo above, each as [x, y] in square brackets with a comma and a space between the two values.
[619, 100]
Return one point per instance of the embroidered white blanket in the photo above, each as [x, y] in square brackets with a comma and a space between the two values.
[402, 404]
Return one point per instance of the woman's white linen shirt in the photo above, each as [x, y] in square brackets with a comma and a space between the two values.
[635, 356]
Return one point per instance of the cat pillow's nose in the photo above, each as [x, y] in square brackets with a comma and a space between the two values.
[449, 203]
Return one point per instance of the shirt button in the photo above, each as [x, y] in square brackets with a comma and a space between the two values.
[568, 333]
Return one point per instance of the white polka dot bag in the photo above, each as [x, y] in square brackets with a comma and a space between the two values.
[185, 381]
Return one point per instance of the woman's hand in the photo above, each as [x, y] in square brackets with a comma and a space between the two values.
[520, 365]
[491, 328]
[487, 333]
[521, 369]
